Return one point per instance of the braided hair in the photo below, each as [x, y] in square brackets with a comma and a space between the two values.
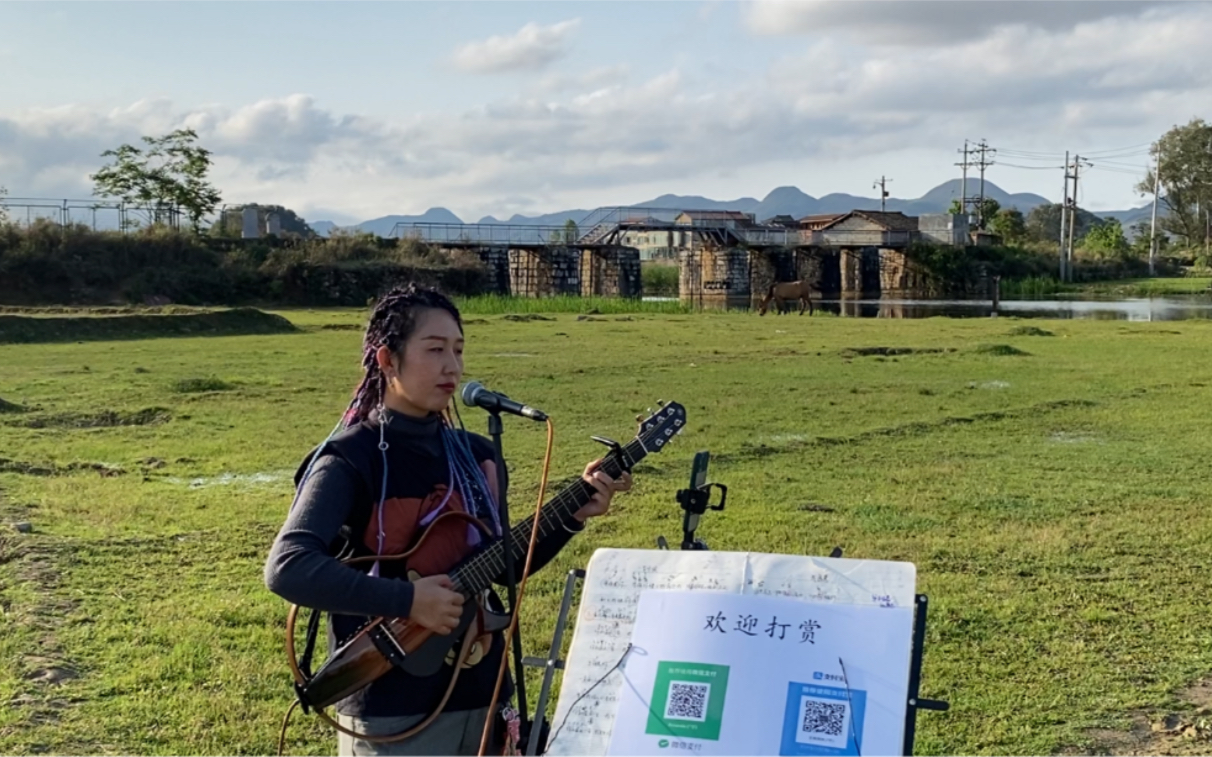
[392, 323]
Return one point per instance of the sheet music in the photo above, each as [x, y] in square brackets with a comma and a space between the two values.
[613, 582]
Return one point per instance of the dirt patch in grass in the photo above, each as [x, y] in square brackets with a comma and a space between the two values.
[1029, 331]
[148, 416]
[26, 468]
[44, 665]
[201, 384]
[20, 329]
[10, 407]
[340, 327]
[1186, 730]
[526, 317]
[851, 352]
[998, 350]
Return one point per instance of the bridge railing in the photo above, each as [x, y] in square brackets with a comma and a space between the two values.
[488, 234]
[863, 238]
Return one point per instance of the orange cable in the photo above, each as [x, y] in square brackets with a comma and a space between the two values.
[513, 623]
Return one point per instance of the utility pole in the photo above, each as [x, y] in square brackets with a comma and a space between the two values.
[1064, 268]
[984, 149]
[883, 192]
[1153, 223]
[964, 180]
[1077, 164]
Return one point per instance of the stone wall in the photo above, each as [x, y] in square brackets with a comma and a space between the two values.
[545, 273]
[496, 263]
[714, 278]
[611, 272]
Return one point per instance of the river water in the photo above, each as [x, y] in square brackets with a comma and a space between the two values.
[1170, 308]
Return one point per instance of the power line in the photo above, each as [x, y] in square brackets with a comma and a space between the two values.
[1031, 168]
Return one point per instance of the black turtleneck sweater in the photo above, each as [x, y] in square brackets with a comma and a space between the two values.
[344, 490]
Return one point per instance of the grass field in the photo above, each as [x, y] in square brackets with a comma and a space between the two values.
[1046, 477]
[1154, 287]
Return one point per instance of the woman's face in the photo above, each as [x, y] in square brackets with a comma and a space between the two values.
[422, 377]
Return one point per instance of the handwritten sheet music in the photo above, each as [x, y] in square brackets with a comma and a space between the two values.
[611, 593]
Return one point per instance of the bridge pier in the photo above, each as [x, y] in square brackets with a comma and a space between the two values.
[544, 272]
[611, 271]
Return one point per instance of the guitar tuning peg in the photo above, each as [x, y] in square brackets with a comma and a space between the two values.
[660, 403]
[639, 419]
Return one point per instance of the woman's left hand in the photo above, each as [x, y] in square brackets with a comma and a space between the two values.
[605, 487]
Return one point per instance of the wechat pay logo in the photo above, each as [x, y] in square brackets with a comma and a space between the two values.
[663, 743]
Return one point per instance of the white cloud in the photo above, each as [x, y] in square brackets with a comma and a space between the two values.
[929, 22]
[1100, 84]
[531, 48]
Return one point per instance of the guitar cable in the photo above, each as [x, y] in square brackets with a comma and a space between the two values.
[490, 719]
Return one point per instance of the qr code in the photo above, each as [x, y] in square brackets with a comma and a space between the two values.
[687, 701]
[823, 718]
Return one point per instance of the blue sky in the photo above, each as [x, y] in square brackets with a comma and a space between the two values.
[353, 110]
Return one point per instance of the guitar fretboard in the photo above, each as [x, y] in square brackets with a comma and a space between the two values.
[483, 568]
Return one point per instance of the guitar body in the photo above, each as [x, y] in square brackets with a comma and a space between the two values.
[384, 643]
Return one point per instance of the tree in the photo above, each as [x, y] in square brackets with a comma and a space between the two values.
[1106, 239]
[571, 232]
[1185, 154]
[1043, 223]
[231, 222]
[1008, 223]
[3, 207]
[1141, 238]
[990, 208]
[169, 176]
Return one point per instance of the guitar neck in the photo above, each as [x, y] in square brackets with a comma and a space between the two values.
[484, 567]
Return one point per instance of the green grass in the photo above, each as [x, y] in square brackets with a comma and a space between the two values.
[1055, 504]
[498, 305]
[1148, 287]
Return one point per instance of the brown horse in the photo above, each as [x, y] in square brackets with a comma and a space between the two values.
[786, 292]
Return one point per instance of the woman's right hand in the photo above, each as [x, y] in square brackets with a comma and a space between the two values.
[435, 605]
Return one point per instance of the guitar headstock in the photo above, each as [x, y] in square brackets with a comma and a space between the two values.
[660, 427]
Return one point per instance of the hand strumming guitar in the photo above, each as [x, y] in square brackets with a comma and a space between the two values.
[435, 605]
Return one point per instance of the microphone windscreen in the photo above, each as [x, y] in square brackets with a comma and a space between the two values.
[470, 390]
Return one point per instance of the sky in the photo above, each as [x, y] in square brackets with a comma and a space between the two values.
[347, 111]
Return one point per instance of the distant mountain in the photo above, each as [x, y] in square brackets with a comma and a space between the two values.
[780, 201]
[383, 226]
[323, 228]
[551, 219]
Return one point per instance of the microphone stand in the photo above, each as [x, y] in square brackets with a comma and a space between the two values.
[495, 429]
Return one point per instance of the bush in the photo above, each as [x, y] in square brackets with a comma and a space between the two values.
[659, 279]
[46, 263]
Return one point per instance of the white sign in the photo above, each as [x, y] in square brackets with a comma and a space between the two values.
[726, 674]
[615, 579]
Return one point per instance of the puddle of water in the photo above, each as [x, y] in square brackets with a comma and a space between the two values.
[1128, 309]
[784, 438]
[1170, 308]
[1066, 437]
[230, 479]
[989, 385]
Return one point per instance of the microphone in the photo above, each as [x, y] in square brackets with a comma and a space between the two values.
[475, 395]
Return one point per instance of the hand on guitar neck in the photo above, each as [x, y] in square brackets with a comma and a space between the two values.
[604, 489]
[436, 605]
